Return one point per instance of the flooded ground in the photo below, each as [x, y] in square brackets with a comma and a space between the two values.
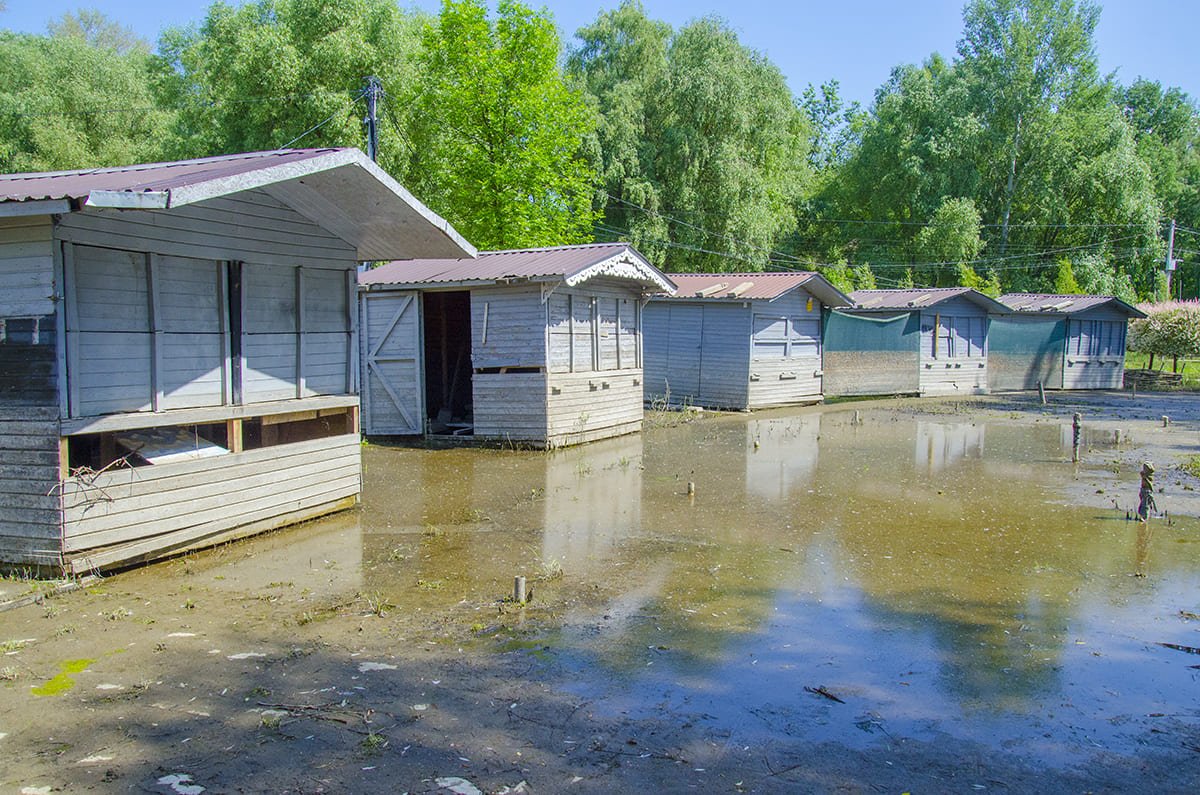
[881, 596]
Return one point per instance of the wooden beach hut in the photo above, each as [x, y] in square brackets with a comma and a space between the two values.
[177, 348]
[539, 346]
[925, 341]
[1060, 341]
[737, 340]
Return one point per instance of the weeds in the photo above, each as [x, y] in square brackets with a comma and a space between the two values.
[373, 743]
[10, 646]
[377, 604]
[9, 674]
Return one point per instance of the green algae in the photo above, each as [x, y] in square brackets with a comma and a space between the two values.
[63, 681]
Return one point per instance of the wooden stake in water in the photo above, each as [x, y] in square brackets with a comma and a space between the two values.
[1042, 392]
[1146, 504]
[519, 590]
[1076, 428]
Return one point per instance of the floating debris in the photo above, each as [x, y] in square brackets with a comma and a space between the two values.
[459, 786]
[375, 666]
[181, 783]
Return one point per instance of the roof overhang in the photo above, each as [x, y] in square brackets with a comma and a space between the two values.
[823, 290]
[341, 191]
[34, 207]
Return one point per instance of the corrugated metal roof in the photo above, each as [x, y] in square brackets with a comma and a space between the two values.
[918, 298]
[764, 286]
[1051, 303]
[145, 177]
[566, 263]
[338, 189]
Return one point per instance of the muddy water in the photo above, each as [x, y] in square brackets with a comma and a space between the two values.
[930, 572]
[927, 572]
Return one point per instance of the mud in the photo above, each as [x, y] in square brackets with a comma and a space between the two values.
[872, 596]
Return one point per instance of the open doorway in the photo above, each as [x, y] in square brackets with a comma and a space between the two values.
[448, 362]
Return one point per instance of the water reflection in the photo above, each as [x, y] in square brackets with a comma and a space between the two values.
[936, 580]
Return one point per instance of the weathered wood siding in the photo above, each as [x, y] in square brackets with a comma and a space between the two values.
[1024, 350]
[127, 513]
[776, 378]
[148, 289]
[510, 405]
[954, 361]
[26, 267]
[582, 407]
[871, 355]
[30, 512]
[508, 327]
[1095, 349]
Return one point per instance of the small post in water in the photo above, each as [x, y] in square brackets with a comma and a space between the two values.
[1042, 392]
[1076, 428]
[519, 590]
[1166, 420]
[1146, 504]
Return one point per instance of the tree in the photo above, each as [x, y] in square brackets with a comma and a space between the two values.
[722, 158]
[498, 130]
[1171, 329]
[92, 26]
[273, 73]
[952, 238]
[66, 104]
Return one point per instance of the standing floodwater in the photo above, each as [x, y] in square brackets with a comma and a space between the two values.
[843, 597]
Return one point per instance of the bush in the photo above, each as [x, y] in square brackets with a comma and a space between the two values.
[1172, 329]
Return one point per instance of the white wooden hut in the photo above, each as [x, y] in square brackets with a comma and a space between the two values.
[177, 348]
[538, 346]
[738, 340]
[927, 341]
[1060, 341]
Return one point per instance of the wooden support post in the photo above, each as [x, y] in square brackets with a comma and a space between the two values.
[1076, 428]
[353, 424]
[519, 590]
[233, 436]
[1042, 392]
[64, 458]
[1166, 421]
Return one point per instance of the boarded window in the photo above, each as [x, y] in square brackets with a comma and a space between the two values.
[606, 334]
[583, 354]
[1096, 338]
[957, 337]
[627, 330]
[559, 320]
[785, 337]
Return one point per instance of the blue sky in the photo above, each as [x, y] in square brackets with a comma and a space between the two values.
[855, 41]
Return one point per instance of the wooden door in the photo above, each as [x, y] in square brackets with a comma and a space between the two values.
[392, 392]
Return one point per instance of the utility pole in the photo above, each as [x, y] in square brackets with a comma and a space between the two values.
[1170, 256]
[374, 90]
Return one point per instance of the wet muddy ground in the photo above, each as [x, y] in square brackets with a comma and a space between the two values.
[881, 596]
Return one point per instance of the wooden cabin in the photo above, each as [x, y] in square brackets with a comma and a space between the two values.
[538, 346]
[177, 348]
[1060, 341]
[924, 341]
[737, 340]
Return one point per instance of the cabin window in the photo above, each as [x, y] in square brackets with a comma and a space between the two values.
[589, 333]
[956, 337]
[1096, 338]
[785, 337]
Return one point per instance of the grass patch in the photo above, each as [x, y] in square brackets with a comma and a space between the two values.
[1191, 465]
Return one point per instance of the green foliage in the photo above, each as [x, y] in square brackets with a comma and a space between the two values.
[1172, 329]
[952, 238]
[67, 104]
[700, 144]
[257, 76]
[498, 130]
[1064, 281]
[93, 27]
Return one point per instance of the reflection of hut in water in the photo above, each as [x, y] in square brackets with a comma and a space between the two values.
[1060, 341]
[781, 454]
[592, 502]
[541, 346]
[195, 320]
[940, 445]
[928, 341]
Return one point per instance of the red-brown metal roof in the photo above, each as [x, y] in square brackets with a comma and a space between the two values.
[907, 300]
[1056, 304]
[144, 177]
[765, 286]
[567, 263]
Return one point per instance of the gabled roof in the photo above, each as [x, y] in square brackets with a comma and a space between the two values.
[338, 189]
[568, 264]
[753, 287]
[919, 298]
[1055, 304]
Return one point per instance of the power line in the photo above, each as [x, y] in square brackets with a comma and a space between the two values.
[198, 104]
[321, 124]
